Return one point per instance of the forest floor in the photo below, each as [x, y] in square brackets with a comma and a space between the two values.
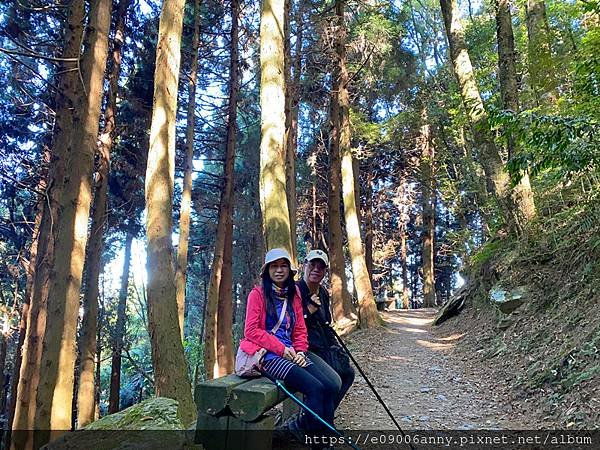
[427, 381]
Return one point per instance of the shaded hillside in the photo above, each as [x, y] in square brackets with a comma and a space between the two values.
[546, 353]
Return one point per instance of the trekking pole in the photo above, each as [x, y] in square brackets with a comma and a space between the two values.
[387, 410]
[279, 384]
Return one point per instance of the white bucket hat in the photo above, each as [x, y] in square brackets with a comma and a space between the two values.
[317, 254]
[275, 254]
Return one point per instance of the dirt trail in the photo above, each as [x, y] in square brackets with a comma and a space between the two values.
[423, 384]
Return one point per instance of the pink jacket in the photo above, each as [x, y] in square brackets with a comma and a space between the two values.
[255, 334]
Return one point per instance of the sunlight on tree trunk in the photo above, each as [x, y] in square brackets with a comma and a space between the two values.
[186, 194]
[170, 368]
[66, 101]
[340, 148]
[55, 389]
[273, 195]
[87, 347]
[497, 179]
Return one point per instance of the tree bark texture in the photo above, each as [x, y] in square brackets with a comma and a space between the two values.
[218, 350]
[186, 194]
[170, 368]
[369, 225]
[273, 199]
[292, 79]
[341, 302]
[117, 342]
[509, 89]
[428, 207]
[30, 270]
[497, 180]
[58, 354]
[66, 101]
[87, 348]
[367, 310]
[541, 65]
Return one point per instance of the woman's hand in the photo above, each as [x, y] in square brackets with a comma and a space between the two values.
[300, 359]
[289, 353]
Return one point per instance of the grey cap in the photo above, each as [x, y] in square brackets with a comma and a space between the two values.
[317, 254]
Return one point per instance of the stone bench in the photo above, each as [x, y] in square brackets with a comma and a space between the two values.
[234, 413]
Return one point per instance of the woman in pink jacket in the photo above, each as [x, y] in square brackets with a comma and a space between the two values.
[285, 358]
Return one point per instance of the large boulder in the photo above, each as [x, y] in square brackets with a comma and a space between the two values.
[152, 424]
[508, 300]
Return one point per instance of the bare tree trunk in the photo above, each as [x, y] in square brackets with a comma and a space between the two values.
[87, 349]
[58, 354]
[98, 361]
[497, 179]
[30, 269]
[273, 200]
[117, 344]
[218, 307]
[340, 297]
[541, 65]
[66, 101]
[186, 195]
[367, 310]
[428, 206]
[290, 152]
[369, 225]
[507, 71]
[170, 368]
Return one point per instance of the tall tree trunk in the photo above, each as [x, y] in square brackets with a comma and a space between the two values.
[3, 346]
[87, 348]
[369, 224]
[66, 101]
[367, 309]
[509, 89]
[292, 78]
[340, 297]
[498, 183]
[117, 342]
[170, 368]
[186, 195]
[290, 153]
[30, 269]
[273, 196]
[428, 206]
[404, 263]
[98, 362]
[539, 53]
[219, 308]
[58, 353]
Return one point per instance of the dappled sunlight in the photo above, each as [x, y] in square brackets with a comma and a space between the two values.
[413, 330]
[435, 345]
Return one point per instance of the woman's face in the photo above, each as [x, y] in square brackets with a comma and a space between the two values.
[279, 271]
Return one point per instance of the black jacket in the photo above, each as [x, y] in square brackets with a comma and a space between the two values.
[320, 335]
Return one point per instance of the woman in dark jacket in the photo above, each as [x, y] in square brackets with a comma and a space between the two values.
[317, 316]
